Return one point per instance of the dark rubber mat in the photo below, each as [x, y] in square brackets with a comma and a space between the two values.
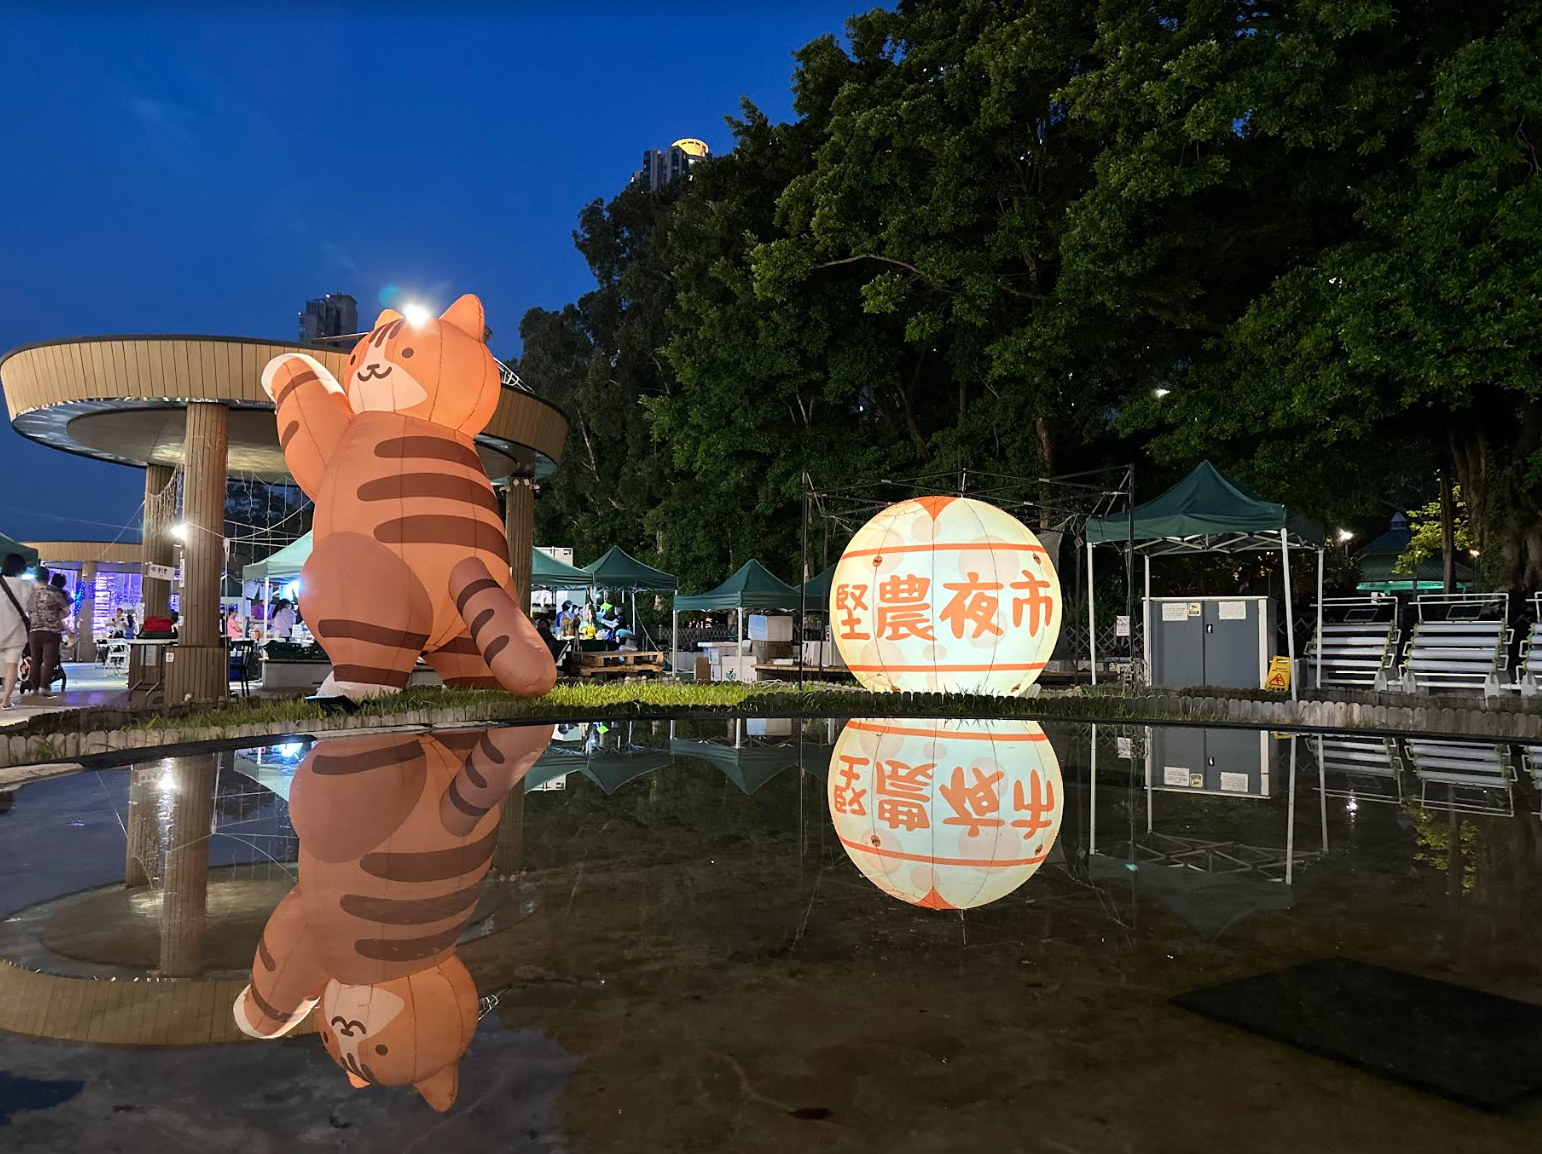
[1463, 1044]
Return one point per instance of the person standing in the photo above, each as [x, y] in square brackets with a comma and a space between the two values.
[283, 620]
[47, 611]
[14, 626]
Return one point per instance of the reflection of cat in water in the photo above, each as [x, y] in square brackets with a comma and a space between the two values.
[396, 833]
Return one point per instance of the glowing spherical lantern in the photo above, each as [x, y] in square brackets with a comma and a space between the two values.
[945, 595]
[947, 814]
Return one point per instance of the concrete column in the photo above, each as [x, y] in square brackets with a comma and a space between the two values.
[85, 628]
[197, 667]
[160, 514]
[187, 784]
[519, 524]
[142, 845]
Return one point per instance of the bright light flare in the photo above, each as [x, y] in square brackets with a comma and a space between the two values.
[417, 315]
[179, 531]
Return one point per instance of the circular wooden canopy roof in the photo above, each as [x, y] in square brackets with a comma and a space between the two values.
[108, 556]
[121, 399]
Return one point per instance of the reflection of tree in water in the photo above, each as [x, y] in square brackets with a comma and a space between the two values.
[1493, 859]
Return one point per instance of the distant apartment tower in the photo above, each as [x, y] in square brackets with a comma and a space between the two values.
[334, 315]
[660, 166]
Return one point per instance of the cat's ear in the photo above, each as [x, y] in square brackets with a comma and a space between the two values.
[466, 315]
[355, 1081]
[385, 318]
[439, 1089]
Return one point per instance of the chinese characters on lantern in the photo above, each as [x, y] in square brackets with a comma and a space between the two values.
[945, 813]
[972, 607]
[973, 798]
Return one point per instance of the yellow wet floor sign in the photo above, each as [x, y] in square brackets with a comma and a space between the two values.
[1279, 675]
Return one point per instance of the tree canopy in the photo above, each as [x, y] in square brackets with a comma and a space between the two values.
[1045, 236]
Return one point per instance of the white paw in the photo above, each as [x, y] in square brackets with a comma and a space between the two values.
[357, 690]
[278, 363]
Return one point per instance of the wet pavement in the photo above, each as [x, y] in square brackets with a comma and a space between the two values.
[779, 935]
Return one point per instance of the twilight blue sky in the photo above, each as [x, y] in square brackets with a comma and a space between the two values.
[169, 169]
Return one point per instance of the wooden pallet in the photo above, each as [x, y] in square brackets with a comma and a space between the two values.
[615, 663]
[790, 672]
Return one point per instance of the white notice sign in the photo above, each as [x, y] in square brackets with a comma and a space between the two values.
[161, 572]
[1121, 626]
[1234, 782]
[1125, 746]
[1174, 611]
[1175, 775]
[1232, 610]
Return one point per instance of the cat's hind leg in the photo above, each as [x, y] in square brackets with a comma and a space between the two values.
[369, 611]
[502, 633]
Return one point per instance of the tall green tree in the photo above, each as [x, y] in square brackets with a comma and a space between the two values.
[939, 193]
[598, 360]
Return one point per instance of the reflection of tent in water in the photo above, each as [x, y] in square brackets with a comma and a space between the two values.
[1209, 902]
[607, 766]
[272, 766]
[1210, 882]
[747, 766]
[749, 760]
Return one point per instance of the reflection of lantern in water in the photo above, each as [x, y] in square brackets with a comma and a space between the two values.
[945, 594]
[948, 814]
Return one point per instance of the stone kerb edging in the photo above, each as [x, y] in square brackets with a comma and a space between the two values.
[1511, 725]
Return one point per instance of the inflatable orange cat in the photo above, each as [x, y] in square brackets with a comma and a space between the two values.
[410, 554]
[396, 834]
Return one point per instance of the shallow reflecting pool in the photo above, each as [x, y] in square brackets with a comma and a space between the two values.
[780, 934]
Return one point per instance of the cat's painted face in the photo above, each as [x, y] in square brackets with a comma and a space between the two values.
[436, 370]
[409, 1031]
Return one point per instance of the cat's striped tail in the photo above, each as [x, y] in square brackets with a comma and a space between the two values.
[501, 632]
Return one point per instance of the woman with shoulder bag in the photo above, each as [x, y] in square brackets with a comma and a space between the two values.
[14, 625]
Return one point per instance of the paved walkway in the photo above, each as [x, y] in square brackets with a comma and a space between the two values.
[89, 683]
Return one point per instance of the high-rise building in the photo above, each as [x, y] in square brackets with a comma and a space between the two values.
[334, 315]
[660, 166]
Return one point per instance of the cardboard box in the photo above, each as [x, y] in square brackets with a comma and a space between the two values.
[765, 628]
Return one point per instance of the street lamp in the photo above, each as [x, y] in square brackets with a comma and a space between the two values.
[1346, 536]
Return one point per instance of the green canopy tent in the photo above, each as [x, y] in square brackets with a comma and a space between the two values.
[1377, 559]
[816, 590]
[1206, 512]
[609, 767]
[285, 565]
[747, 766]
[753, 586]
[546, 572]
[9, 546]
[618, 569]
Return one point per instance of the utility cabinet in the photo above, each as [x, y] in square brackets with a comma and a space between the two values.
[1240, 762]
[1221, 641]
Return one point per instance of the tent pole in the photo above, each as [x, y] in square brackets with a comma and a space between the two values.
[1290, 616]
[803, 586]
[1092, 797]
[1092, 637]
[1145, 620]
[1319, 617]
[1290, 820]
[674, 640]
[1322, 793]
